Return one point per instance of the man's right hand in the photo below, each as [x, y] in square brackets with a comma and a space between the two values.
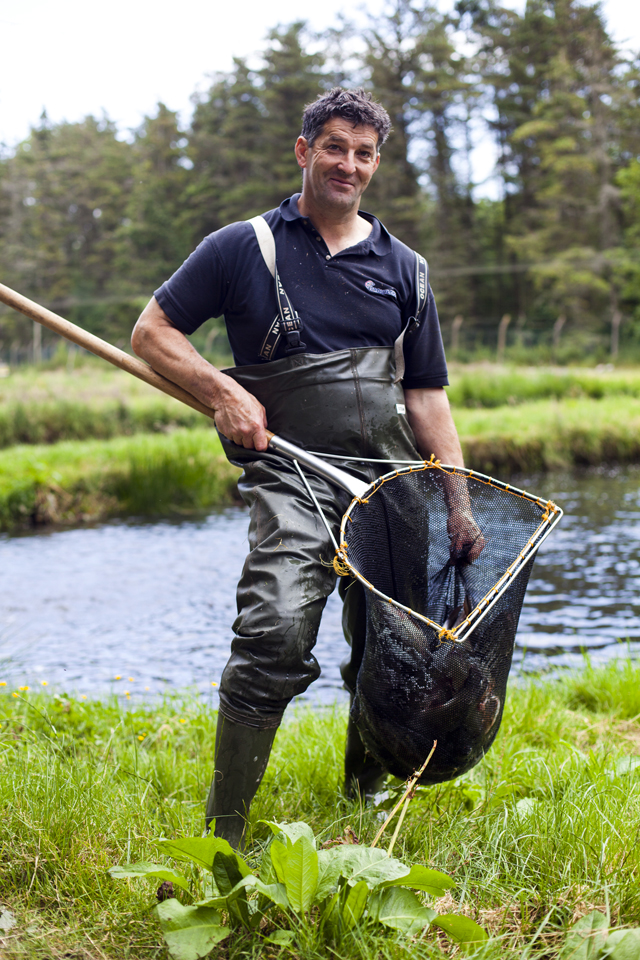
[237, 414]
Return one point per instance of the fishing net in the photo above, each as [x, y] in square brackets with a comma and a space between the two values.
[440, 626]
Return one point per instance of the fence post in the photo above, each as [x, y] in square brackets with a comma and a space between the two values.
[37, 342]
[502, 335]
[455, 332]
[616, 320]
[557, 330]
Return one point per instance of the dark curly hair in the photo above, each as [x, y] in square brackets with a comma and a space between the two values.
[356, 106]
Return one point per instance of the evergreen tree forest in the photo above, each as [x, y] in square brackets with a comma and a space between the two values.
[92, 220]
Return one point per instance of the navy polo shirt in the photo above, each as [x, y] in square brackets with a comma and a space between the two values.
[361, 297]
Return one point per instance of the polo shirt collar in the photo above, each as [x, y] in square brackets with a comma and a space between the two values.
[378, 241]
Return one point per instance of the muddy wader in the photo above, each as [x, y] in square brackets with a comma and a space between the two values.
[349, 403]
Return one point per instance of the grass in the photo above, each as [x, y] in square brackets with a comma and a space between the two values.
[140, 462]
[494, 385]
[544, 830]
[549, 435]
[92, 401]
[154, 474]
[98, 401]
[90, 480]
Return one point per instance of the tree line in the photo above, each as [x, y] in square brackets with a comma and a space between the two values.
[91, 223]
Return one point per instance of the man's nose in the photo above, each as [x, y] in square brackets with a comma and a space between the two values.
[348, 161]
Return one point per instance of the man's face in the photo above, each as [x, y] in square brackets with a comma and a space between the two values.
[340, 164]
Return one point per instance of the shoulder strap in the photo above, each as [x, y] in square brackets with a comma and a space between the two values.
[422, 283]
[266, 242]
[422, 292]
[287, 323]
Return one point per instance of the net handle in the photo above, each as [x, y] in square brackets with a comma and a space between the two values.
[357, 488]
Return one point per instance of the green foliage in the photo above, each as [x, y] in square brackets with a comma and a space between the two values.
[141, 475]
[91, 223]
[79, 791]
[331, 892]
[590, 939]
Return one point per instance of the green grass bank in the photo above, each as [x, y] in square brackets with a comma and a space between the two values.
[94, 401]
[543, 831]
[148, 474]
[185, 470]
[89, 442]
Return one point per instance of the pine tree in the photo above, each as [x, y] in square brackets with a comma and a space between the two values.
[156, 228]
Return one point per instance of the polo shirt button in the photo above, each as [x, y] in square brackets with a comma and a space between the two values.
[328, 256]
[318, 238]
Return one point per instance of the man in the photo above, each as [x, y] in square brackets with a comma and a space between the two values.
[327, 382]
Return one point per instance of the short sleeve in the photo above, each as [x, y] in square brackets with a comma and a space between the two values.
[197, 290]
[425, 363]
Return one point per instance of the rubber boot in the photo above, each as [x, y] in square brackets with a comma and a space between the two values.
[363, 776]
[241, 758]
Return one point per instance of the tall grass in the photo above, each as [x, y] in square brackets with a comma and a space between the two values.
[186, 470]
[549, 435]
[40, 406]
[141, 475]
[495, 385]
[541, 832]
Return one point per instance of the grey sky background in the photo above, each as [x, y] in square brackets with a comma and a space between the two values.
[75, 57]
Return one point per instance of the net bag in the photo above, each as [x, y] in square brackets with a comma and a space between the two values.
[440, 627]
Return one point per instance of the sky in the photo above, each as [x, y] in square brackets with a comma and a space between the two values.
[76, 57]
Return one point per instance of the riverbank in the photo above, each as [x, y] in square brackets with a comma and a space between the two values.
[144, 475]
[95, 401]
[185, 470]
[538, 835]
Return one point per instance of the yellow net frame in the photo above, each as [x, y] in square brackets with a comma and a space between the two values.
[551, 514]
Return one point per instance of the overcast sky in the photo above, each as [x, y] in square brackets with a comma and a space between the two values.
[75, 57]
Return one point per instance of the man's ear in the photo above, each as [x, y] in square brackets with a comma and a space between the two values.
[301, 150]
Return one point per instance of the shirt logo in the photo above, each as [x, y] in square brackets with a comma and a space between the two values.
[385, 291]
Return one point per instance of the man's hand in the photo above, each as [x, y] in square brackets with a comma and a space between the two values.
[430, 419]
[238, 415]
[467, 542]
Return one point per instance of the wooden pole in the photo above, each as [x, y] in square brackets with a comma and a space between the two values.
[502, 335]
[99, 347]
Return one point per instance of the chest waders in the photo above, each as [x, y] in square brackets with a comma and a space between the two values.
[348, 403]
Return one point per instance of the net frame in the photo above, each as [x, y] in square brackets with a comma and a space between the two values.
[551, 515]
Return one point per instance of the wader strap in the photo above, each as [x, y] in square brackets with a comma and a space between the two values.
[286, 322]
[422, 288]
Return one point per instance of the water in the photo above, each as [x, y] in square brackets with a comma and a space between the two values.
[153, 603]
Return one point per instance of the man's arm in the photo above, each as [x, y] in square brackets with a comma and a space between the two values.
[238, 415]
[429, 417]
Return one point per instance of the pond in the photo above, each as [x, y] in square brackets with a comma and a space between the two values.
[153, 603]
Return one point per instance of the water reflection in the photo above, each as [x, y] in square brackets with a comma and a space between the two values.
[155, 602]
[584, 590]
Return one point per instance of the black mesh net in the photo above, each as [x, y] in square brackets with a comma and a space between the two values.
[417, 683]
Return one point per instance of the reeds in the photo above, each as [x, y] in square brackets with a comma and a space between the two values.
[143, 475]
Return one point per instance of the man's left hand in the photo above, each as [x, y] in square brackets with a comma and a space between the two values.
[467, 541]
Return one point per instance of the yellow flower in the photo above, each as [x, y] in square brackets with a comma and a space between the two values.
[14, 694]
[118, 677]
[131, 680]
[3, 683]
[127, 694]
[83, 696]
[182, 721]
[147, 688]
[213, 683]
[23, 688]
[45, 683]
[141, 736]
